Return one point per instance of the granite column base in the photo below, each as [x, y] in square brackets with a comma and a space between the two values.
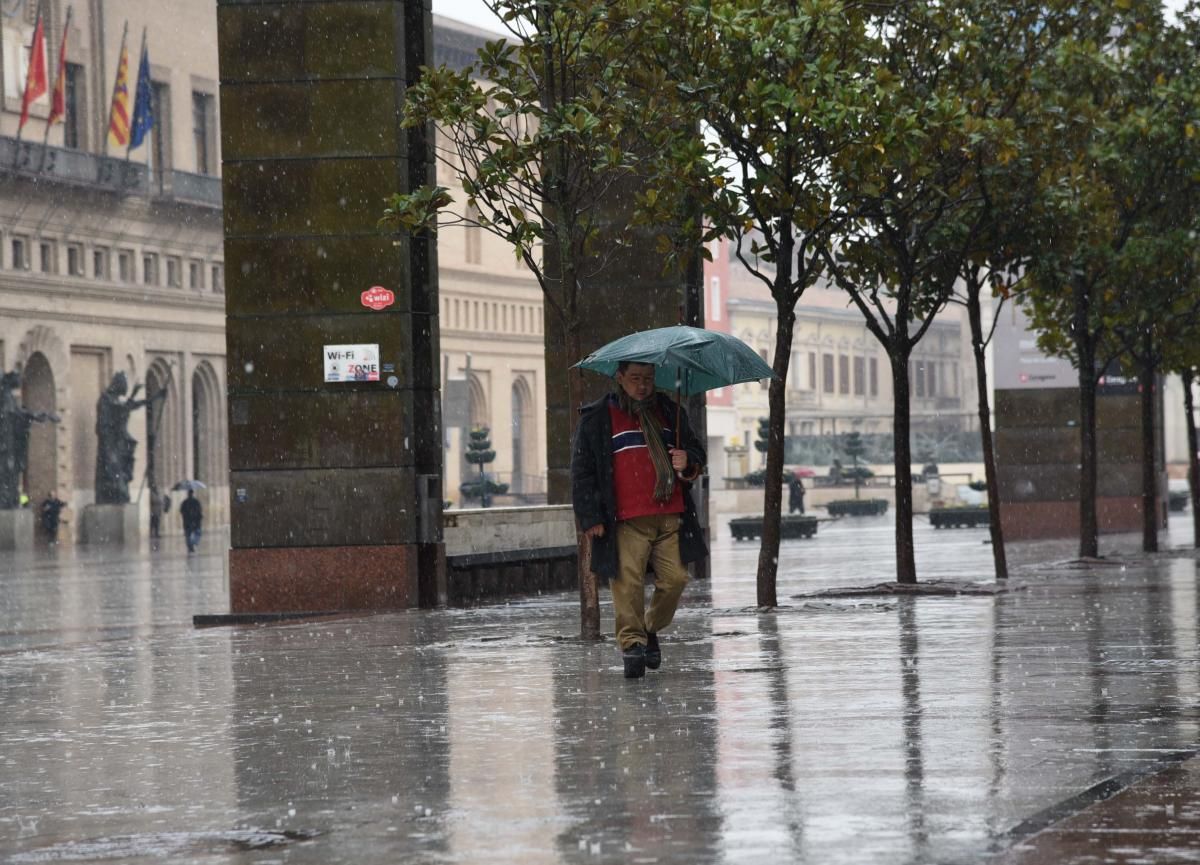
[16, 530]
[109, 524]
[323, 579]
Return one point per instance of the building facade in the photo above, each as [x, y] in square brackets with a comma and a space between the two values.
[112, 260]
[839, 377]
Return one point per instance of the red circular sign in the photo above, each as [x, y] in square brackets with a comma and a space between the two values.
[377, 297]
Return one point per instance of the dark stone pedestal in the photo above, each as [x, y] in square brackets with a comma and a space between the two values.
[109, 524]
[16, 530]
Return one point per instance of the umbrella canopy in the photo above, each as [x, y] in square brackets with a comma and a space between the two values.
[689, 359]
[189, 485]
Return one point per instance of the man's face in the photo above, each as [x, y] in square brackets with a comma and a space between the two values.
[637, 380]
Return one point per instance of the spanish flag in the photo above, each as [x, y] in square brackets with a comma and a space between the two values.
[58, 101]
[118, 116]
[35, 77]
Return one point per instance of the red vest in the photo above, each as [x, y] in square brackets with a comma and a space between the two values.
[634, 477]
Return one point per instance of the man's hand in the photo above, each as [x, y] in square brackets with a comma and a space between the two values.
[679, 459]
[596, 531]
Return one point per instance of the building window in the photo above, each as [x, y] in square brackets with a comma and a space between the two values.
[931, 371]
[202, 125]
[766, 382]
[196, 275]
[843, 373]
[160, 138]
[218, 279]
[125, 265]
[860, 375]
[100, 262]
[150, 268]
[827, 373]
[874, 368]
[47, 257]
[72, 102]
[812, 370]
[715, 298]
[954, 379]
[75, 259]
[20, 253]
[917, 374]
[174, 272]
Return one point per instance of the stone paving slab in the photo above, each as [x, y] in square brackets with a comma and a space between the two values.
[859, 730]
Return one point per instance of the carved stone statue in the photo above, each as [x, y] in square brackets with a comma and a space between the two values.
[15, 421]
[114, 444]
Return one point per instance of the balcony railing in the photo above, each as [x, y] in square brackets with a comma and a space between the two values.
[57, 165]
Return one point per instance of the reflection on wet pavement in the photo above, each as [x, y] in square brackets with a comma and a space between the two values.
[929, 730]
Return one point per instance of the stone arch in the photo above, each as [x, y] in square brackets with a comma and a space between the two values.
[524, 435]
[206, 425]
[478, 416]
[164, 429]
[43, 362]
[38, 394]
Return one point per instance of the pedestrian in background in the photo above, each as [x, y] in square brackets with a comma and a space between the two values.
[795, 494]
[629, 487]
[51, 516]
[192, 515]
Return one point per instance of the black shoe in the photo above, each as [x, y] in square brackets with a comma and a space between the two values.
[635, 661]
[653, 652]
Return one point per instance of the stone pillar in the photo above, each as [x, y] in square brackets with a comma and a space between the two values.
[336, 486]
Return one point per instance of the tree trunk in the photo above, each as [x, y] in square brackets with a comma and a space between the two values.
[906, 564]
[1189, 408]
[768, 554]
[1089, 529]
[1149, 476]
[979, 349]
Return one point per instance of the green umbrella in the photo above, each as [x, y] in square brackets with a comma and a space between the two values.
[687, 360]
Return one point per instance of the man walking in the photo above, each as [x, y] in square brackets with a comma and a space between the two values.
[629, 486]
[192, 515]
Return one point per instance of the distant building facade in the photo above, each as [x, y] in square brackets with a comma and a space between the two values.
[111, 264]
[108, 264]
[839, 377]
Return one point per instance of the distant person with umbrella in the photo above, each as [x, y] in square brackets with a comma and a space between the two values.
[191, 513]
[629, 486]
[51, 516]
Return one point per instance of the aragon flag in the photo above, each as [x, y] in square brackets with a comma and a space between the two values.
[118, 115]
[58, 101]
[35, 77]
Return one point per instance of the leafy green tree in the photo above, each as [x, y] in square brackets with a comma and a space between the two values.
[777, 88]
[908, 184]
[479, 453]
[853, 447]
[540, 135]
[1105, 204]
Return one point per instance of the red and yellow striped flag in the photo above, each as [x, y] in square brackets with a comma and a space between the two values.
[118, 116]
[58, 101]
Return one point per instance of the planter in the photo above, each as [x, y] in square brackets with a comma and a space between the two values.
[790, 526]
[857, 507]
[959, 518]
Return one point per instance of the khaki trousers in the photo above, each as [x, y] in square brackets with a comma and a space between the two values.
[641, 540]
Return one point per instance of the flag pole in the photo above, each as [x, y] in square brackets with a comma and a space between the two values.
[116, 84]
[58, 83]
[38, 28]
[133, 113]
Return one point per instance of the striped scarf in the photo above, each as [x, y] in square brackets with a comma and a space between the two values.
[646, 412]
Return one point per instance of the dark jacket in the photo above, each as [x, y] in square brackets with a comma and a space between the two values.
[594, 495]
[192, 514]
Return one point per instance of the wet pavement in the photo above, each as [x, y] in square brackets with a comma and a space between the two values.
[1054, 723]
